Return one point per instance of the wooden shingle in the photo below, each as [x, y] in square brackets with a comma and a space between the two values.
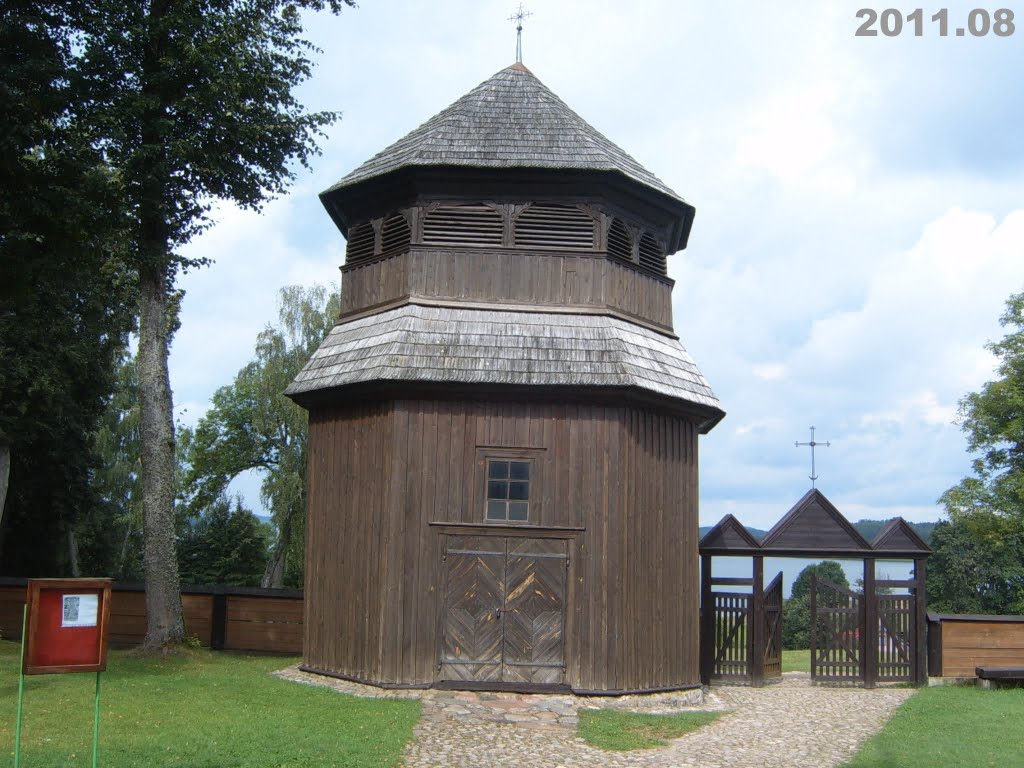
[511, 120]
[437, 344]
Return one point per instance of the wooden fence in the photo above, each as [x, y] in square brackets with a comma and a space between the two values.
[957, 643]
[223, 618]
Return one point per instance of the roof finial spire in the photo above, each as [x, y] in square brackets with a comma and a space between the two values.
[813, 445]
[518, 17]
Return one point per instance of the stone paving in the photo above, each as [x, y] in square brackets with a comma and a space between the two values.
[790, 724]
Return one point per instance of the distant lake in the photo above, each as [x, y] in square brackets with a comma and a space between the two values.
[743, 567]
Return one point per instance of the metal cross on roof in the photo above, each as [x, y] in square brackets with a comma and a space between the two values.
[518, 17]
[813, 445]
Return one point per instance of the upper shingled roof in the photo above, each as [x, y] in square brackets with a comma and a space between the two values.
[511, 120]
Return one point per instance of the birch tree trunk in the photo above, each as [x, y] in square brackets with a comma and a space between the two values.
[164, 622]
[273, 577]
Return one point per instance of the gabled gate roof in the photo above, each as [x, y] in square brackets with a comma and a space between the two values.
[897, 535]
[814, 527]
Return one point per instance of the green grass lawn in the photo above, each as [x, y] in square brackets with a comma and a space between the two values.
[619, 731]
[201, 710]
[796, 661]
[950, 726]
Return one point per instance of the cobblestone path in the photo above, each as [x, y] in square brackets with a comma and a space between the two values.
[791, 724]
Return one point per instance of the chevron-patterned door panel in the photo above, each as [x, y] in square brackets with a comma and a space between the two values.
[504, 610]
[534, 614]
[472, 614]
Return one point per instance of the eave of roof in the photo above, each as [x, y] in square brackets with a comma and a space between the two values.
[457, 346]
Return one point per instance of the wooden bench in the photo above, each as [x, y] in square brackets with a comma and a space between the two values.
[990, 676]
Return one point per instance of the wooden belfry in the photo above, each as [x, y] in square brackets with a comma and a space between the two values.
[503, 424]
[869, 637]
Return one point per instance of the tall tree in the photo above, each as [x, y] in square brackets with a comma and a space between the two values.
[977, 565]
[191, 101]
[986, 510]
[796, 628]
[993, 420]
[253, 426]
[110, 533]
[227, 544]
[64, 291]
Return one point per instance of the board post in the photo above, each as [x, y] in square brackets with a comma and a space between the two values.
[21, 687]
[96, 723]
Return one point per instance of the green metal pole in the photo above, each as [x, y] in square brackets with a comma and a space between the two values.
[96, 724]
[21, 687]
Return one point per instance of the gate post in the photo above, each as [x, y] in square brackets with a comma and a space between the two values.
[707, 622]
[869, 633]
[920, 670]
[756, 619]
[814, 625]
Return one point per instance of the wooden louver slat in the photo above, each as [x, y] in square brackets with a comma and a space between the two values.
[360, 243]
[463, 225]
[620, 244]
[652, 255]
[395, 234]
[554, 226]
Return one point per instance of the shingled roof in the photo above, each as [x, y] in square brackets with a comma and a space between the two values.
[444, 345]
[511, 120]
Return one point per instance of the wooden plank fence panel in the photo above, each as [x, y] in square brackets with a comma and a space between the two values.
[964, 642]
[255, 620]
[12, 601]
[266, 624]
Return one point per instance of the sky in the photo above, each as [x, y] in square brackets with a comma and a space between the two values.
[860, 216]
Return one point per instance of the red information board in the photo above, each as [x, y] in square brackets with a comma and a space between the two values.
[67, 625]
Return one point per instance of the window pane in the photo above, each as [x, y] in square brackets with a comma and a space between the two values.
[520, 470]
[519, 491]
[497, 489]
[496, 510]
[518, 510]
[497, 470]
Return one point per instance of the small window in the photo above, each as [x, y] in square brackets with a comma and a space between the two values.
[508, 490]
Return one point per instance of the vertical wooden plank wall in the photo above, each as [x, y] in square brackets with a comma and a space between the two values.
[516, 276]
[381, 475]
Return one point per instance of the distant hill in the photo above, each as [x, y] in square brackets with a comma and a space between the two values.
[867, 528]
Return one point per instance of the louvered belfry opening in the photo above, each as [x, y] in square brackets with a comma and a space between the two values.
[549, 225]
[467, 224]
[620, 244]
[652, 254]
[395, 234]
[361, 241]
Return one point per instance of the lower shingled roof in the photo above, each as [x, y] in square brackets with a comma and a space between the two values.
[470, 346]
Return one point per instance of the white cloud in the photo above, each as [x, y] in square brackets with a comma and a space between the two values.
[769, 371]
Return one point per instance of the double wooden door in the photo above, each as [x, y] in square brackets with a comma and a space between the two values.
[504, 610]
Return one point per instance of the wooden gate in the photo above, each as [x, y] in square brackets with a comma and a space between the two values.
[745, 628]
[837, 643]
[504, 610]
[732, 638]
[897, 638]
[773, 629]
